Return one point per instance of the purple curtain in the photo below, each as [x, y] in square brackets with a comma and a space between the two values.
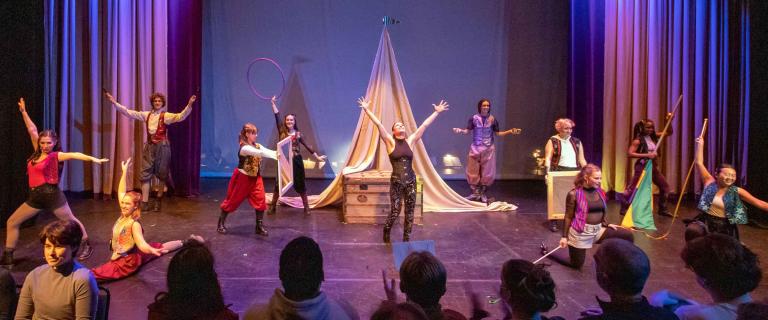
[585, 75]
[184, 67]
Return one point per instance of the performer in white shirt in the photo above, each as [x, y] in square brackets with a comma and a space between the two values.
[156, 155]
[563, 152]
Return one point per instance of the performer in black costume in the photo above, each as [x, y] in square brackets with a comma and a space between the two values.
[403, 179]
[288, 128]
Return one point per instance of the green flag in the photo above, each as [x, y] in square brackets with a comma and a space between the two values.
[640, 212]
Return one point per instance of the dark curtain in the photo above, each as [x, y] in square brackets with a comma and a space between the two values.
[585, 75]
[185, 29]
[22, 65]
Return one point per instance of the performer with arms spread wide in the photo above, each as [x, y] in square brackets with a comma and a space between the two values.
[44, 192]
[156, 155]
[403, 179]
[481, 161]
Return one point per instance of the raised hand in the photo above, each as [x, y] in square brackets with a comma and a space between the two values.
[110, 97]
[669, 115]
[192, 100]
[321, 157]
[273, 100]
[22, 105]
[363, 104]
[389, 287]
[125, 164]
[440, 107]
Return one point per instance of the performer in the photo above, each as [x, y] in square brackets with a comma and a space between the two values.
[585, 219]
[403, 179]
[129, 248]
[288, 128]
[44, 193]
[156, 155]
[481, 161]
[643, 148]
[720, 207]
[563, 152]
[246, 180]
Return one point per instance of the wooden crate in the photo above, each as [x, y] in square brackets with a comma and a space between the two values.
[366, 198]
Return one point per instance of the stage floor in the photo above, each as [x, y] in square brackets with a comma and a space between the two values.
[473, 246]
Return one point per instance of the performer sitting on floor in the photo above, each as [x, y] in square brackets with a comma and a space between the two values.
[585, 222]
[403, 179]
[720, 206]
[288, 128]
[563, 152]
[481, 161]
[643, 148]
[156, 155]
[129, 249]
[44, 193]
[246, 180]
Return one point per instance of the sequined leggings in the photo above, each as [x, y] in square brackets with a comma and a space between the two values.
[399, 191]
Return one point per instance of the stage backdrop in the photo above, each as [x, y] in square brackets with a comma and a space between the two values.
[514, 53]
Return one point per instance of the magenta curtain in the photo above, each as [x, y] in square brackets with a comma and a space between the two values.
[185, 30]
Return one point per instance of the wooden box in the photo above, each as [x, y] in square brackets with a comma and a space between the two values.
[366, 198]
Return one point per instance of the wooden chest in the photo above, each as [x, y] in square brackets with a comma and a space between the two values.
[366, 198]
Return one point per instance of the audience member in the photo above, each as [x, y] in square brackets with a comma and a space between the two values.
[194, 292]
[390, 310]
[7, 295]
[61, 289]
[301, 274]
[726, 269]
[752, 311]
[621, 270]
[527, 290]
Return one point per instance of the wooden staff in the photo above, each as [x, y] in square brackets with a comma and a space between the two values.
[669, 121]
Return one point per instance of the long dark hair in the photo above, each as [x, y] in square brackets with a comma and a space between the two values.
[639, 130]
[193, 287]
[54, 138]
[295, 123]
[480, 105]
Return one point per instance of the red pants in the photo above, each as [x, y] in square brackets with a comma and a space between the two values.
[242, 186]
[125, 265]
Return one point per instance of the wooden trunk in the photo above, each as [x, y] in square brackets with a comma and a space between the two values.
[366, 198]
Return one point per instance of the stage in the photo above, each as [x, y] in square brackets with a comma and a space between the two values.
[473, 247]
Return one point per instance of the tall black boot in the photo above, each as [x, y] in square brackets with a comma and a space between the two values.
[260, 224]
[7, 259]
[156, 204]
[305, 202]
[220, 227]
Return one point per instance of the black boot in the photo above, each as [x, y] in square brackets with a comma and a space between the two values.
[144, 206]
[259, 229]
[662, 211]
[305, 202]
[387, 231]
[220, 227]
[7, 259]
[553, 225]
[156, 205]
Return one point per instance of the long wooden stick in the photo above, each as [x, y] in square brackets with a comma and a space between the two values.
[669, 121]
[685, 184]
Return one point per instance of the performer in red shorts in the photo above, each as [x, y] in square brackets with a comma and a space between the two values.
[246, 180]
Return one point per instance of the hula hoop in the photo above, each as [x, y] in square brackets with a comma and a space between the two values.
[250, 85]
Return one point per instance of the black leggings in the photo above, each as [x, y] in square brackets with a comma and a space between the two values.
[576, 256]
[400, 191]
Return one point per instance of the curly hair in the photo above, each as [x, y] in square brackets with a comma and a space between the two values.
[156, 95]
[559, 123]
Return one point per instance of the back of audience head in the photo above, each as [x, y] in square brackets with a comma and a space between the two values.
[399, 311]
[301, 268]
[193, 286]
[621, 267]
[527, 287]
[723, 266]
[423, 278]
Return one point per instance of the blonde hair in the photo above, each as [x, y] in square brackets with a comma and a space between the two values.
[559, 123]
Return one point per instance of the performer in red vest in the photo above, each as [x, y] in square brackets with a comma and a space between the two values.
[156, 155]
[563, 152]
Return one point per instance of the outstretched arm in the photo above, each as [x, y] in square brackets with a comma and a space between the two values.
[138, 237]
[388, 140]
[706, 177]
[136, 115]
[442, 106]
[31, 127]
[121, 185]
[749, 198]
[274, 105]
[64, 156]
[178, 117]
[510, 131]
